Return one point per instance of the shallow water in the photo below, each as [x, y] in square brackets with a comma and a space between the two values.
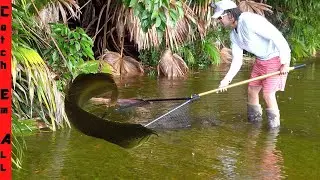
[219, 144]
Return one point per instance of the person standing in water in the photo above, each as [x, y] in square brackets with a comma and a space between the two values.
[255, 34]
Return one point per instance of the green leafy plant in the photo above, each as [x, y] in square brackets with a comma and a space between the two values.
[202, 53]
[151, 56]
[153, 12]
[35, 94]
[94, 67]
[212, 51]
[74, 48]
[188, 56]
[300, 23]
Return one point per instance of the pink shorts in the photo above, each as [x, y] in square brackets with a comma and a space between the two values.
[270, 84]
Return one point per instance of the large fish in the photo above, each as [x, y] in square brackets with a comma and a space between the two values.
[80, 91]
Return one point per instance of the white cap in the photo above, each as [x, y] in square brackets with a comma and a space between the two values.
[221, 6]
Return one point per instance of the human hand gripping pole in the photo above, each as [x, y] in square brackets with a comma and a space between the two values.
[284, 69]
[223, 84]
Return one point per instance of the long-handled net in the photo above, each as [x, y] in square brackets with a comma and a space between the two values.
[179, 116]
[167, 113]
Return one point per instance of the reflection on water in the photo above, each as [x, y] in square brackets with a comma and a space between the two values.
[271, 157]
[219, 144]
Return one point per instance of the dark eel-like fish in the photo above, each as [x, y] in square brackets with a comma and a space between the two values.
[80, 91]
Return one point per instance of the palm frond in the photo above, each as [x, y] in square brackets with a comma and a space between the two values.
[172, 65]
[35, 93]
[122, 65]
[201, 11]
[115, 20]
[254, 7]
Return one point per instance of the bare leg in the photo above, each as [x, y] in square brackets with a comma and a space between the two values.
[254, 108]
[253, 94]
[272, 110]
[271, 100]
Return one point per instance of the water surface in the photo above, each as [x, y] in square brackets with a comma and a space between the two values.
[218, 144]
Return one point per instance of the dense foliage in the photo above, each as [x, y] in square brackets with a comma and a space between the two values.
[300, 22]
[154, 13]
[75, 47]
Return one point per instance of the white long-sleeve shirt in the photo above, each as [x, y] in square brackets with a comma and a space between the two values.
[258, 36]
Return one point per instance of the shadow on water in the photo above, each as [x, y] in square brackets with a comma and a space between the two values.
[80, 91]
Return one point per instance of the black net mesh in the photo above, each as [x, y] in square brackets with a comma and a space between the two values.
[177, 117]
[155, 115]
[171, 114]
